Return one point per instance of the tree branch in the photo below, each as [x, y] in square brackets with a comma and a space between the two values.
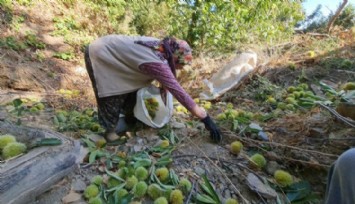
[336, 15]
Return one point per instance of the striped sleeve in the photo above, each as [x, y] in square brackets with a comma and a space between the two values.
[162, 73]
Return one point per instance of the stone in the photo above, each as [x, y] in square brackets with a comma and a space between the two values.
[255, 184]
[71, 197]
[82, 154]
[271, 167]
[317, 132]
[199, 171]
[178, 125]
[3, 115]
[78, 185]
[95, 137]
[227, 193]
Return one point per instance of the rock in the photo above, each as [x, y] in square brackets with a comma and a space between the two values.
[191, 132]
[138, 148]
[140, 141]
[271, 167]
[82, 154]
[271, 155]
[146, 133]
[317, 132]
[210, 149]
[227, 193]
[200, 126]
[71, 197]
[95, 137]
[255, 126]
[178, 125]
[78, 185]
[263, 136]
[258, 186]
[153, 139]
[219, 193]
[3, 115]
[199, 171]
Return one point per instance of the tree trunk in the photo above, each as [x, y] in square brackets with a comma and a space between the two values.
[191, 36]
[24, 178]
[335, 16]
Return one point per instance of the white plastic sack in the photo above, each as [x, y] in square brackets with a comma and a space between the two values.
[164, 112]
[229, 76]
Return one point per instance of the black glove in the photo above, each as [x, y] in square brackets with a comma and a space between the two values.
[215, 133]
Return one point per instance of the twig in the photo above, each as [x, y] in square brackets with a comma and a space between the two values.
[336, 15]
[287, 158]
[346, 71]
[213, 158]
[190, 194]
[279, 144]
[43, 83]
[318, 34]
[261, 197]
[226, 177]
[305, 162]
[334, 112]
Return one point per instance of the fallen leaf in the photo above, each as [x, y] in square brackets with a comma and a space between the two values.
[71, 197]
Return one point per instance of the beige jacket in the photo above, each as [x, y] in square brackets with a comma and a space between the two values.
[115, 60]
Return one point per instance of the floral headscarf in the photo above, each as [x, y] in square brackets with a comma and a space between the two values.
[173, 50]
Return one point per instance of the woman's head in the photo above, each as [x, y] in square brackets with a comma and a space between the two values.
[182, 55]
[178, 53]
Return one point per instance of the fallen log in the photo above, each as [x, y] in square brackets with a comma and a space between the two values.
[27, 176]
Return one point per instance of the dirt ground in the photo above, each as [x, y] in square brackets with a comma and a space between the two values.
[305, 143]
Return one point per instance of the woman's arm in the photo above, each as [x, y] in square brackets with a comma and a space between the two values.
[199, 112]
[161, 72]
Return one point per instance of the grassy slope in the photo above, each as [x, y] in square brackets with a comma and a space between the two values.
[24, 65]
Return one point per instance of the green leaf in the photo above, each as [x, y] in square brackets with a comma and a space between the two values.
[116, 188]
[19, 122]
[203, 198]
[173, 177]
[311, 198]
[114, 176]
[164, 161]
[235, 125]
[155, 179]
[17, 103]
[126, 199]
[89, 143]
[212, 192]
[349, 96]
[20, 110]
[298, 191]
[49, 142]
[143, 162]
[327, 88]
[92, 156]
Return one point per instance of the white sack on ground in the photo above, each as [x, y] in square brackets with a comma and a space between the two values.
[229, 76]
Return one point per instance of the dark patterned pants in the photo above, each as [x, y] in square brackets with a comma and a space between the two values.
[109, 108]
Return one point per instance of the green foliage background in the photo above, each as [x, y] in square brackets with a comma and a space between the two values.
[219, 25]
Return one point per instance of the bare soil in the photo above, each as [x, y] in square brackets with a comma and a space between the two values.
[305, 144]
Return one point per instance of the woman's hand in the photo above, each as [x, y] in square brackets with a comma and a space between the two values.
[215, 133]
[201, 113]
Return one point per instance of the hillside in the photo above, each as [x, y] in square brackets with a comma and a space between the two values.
[38, 65]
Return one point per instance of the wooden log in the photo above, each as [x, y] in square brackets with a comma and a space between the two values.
[24, 178]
